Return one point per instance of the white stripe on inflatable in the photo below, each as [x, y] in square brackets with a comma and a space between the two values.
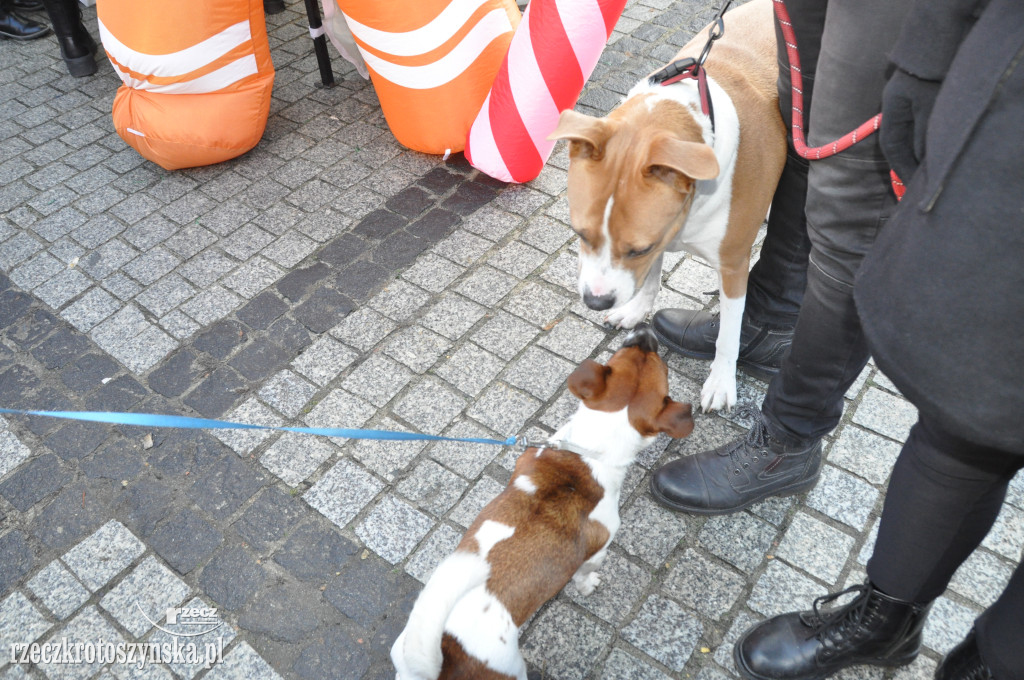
[447, 68]
[211, 82]
[181, 62]
[421, 40]
[585, 27]
[483, 147]
[529, 89]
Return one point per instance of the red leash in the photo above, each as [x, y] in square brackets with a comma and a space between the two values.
[866, 129]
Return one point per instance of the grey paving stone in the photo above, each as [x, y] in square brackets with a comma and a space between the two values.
[537, 304]
[948, 624]
[294, 457]
[452, 316]
[88, 626]
[250, 412]
[231, 577]
[322, 361]
[416, 347]
[12, 452]
[269, 518]
[560, 411]
[62, 288]
[740, 539]
[20, 622]
[981, 578]
[467, 459]
[441, 543]
[539, 372]
[650, 531]
[723, 654]
[34, 481]
[573, 338]
[399, 300]
[90, 309]
[486, 285]
[482, 493]
[343, 492]
[462, 247]
[470, 368]
[432, 487]
[393, 529]
[387, 458]
[259, 359]
[665, 631]
[262, 310]
[623, 584]
[316, 554]
[517, 259]
[378, 379]
[622, 665]
[430, 405]
[102, 556]
[142, 598]
[886, 414]
[782, 589]
[1007, 535]
[503, 409]
[704, 584]
[242, 663]
[505, 335]
[843, 497]
[562, 272]
[864, 453]
[215, 636]
[288, 393]
[339, 409]
[564, 644]
[252, 277]
[432, 273]
[224, 482]
[815, 547]
[210, 304]
[363, 328]
[185, 540]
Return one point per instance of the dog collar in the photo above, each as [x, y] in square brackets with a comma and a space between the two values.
[563, 445]
[688, 69]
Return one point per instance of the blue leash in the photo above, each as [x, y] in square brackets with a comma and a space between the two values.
[187, 422]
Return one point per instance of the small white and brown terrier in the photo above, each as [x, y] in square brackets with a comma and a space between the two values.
[552, 523]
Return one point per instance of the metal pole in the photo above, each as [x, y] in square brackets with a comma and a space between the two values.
[323, 59]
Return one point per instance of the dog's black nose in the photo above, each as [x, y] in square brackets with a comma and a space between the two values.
[642, 337]
[598, 302]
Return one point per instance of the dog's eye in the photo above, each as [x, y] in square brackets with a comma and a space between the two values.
[640, 252]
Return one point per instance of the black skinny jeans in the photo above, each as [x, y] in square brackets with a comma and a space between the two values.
[944, 495]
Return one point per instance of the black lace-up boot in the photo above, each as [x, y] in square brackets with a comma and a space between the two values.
[738, 474]
[873, 629]
[964, 662]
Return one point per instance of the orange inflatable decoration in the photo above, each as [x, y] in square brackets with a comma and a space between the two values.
[432, 62]
[197, 77]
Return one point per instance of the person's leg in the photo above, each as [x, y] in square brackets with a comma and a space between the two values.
[776, 285]
[76, 45]
[1001, 629]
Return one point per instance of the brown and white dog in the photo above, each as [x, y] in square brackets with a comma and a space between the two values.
[652, 177]
[553, 522]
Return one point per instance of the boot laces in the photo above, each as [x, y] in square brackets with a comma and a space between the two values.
[754, 442]
[840, 620]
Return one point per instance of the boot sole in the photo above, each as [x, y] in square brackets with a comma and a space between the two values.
[759, 371]
[747, 674]
[791, 490]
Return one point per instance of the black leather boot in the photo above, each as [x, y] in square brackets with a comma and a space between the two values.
[693, 333]
[26, 5]
[872, 629]
[17, 27]
[76, 45]
[738, 474]
[964, 662]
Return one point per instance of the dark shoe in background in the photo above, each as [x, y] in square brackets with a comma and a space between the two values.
[738, 474]
[26, 6]
[76, 45]
[273, 6]
[693, 333]
[964, 662]
[872, 629]
[17, 27]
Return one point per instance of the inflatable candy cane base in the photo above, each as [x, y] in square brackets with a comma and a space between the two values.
[553, 53]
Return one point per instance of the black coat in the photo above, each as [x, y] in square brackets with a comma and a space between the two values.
[941, 294]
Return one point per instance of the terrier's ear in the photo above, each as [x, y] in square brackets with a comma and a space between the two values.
[676, 419]
[588, 381]
[587, 135]
[678, 163]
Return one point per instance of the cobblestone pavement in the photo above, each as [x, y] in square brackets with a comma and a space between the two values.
[331, 278]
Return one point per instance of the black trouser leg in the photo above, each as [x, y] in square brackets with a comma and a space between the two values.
[775, 289]
[944, 496]
[76, 45]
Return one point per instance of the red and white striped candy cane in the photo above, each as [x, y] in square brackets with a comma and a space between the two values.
[553, 53]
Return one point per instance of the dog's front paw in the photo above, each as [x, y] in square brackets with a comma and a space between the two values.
[719, 391]
[587, 584]
[630, 314]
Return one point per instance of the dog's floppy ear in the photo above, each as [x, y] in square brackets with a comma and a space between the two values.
[669, 155]
[588, 380]
[676, 419]
[587, 134]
